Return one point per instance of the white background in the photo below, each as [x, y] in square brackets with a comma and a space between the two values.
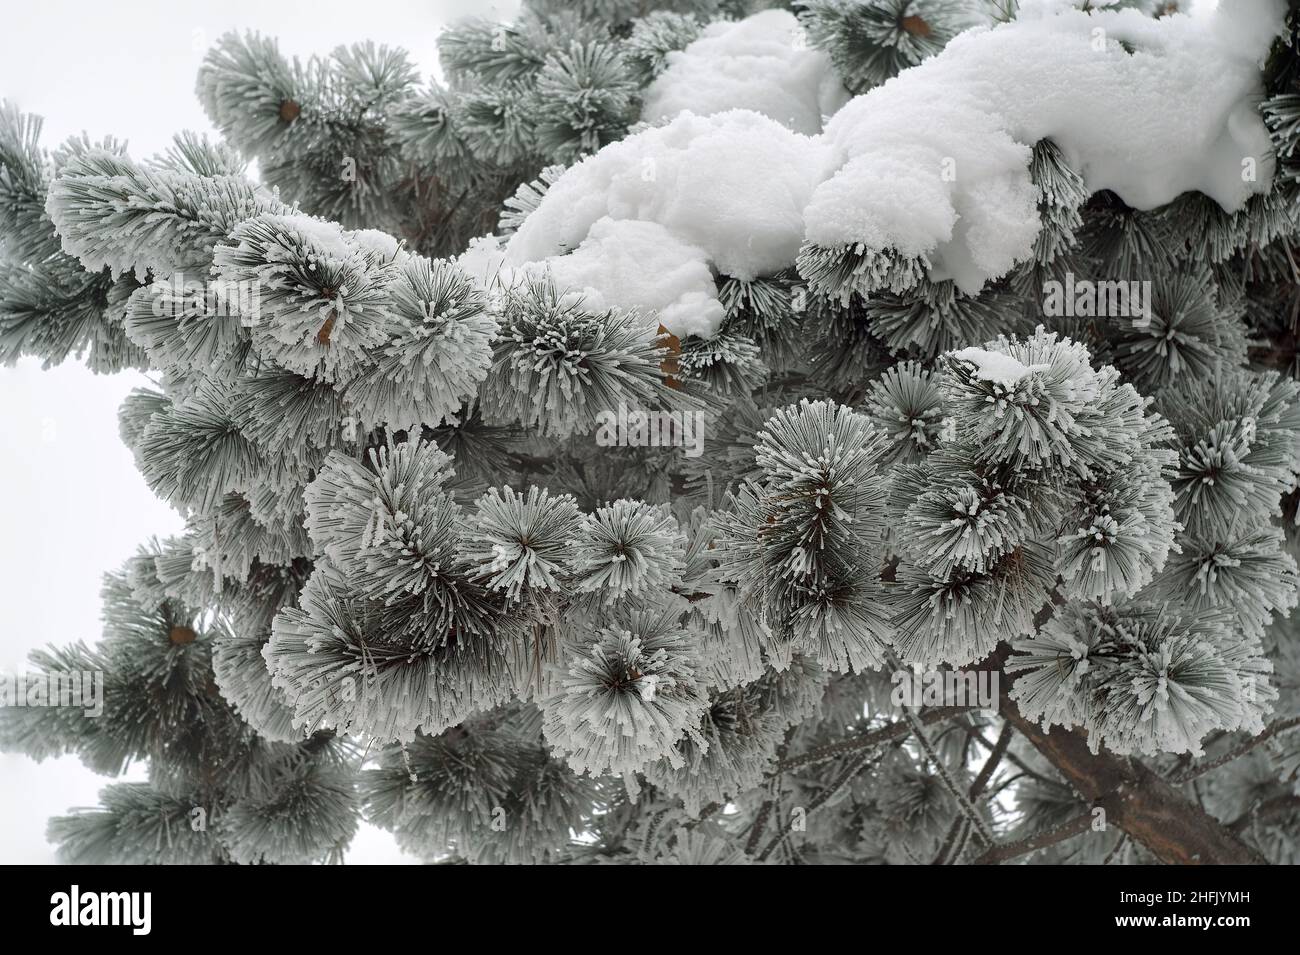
[72, 505]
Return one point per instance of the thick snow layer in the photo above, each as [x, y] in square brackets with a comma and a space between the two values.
[996, 367]
[483, 260]
[762, 63]
[934, 163]
[627, 264]
[634, 265]
[326, 237]
[728, 190]
[381, 245]
[734, 184]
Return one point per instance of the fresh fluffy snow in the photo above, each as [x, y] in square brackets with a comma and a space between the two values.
[627, 264]
[1176, 114]
[381, 245]
[933, 163]
[635, 265]
[762, 63]
[726, 191]
[327, 238]
[995, 366]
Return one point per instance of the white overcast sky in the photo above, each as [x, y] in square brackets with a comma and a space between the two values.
[71, 502]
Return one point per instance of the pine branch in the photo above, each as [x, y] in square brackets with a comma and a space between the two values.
[1074, 826]
[756, 830]
[963, 843]
[1277, 807]
[1275, 728]
[959, 827]
[1137, 800]
[1114, 853]
[886, 734]
[854, 767]
[1026, 771]
[964, 804]
[992, 763]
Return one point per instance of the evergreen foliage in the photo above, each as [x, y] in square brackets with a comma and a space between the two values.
[416, 586]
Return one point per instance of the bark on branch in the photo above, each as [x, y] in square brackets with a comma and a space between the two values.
[1138, 801]
[1010, 850]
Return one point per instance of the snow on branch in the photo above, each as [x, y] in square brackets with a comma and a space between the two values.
[925, 175]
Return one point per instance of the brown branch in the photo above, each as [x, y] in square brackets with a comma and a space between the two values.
[756, 831]
[1269, 809]
[1273, 729]
[991, 764]
[1151, 810]
[1115, 851]
[705, 813]
[1072, 827]
[1025, 769]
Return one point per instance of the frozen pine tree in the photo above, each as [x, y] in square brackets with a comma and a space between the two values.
[702, 433]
